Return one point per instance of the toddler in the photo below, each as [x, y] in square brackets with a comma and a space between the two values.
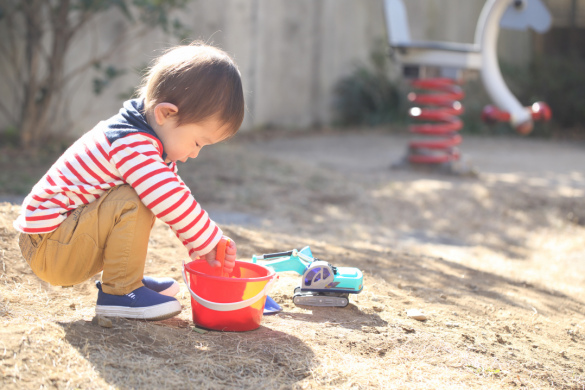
[94, 209]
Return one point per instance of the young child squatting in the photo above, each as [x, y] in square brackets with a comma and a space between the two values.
[94, 209]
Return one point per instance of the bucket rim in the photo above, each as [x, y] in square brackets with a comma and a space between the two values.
[234, 280]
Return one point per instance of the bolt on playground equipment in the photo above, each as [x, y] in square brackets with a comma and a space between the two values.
[437, 100]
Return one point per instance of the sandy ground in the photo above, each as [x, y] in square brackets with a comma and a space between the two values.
[497, 263]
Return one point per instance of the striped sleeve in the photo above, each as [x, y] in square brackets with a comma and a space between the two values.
[163, 192]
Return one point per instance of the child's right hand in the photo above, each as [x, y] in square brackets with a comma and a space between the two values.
[230, 256]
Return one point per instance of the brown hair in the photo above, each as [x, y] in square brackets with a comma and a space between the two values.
[201, 80]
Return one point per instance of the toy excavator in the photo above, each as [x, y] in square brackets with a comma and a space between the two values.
[322, 283]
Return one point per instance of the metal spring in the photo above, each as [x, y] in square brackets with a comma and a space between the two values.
[441, 110]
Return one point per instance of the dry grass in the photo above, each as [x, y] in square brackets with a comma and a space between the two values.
[499, 272]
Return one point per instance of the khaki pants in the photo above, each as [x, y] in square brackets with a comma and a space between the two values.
[109, 234]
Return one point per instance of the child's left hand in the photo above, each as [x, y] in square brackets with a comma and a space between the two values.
[230, 256]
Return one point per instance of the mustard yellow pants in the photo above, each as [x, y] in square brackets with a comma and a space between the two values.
[110, 235]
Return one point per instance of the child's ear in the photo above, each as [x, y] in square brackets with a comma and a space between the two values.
[164, 111]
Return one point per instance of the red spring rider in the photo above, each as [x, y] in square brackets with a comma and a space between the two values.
[440, 110]
[539, 111]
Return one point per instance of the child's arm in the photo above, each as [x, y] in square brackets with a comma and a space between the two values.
[161, 190]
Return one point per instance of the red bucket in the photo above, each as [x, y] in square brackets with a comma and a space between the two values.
[232, 304]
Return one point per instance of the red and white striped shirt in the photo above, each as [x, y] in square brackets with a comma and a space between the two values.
[119, 151]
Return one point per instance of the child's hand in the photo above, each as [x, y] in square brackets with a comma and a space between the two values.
[230, 256]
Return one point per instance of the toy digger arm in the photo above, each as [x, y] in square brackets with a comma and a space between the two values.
[274, 255]
[283, 261]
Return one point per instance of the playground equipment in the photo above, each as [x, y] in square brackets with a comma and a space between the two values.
[321, 284]
[440, 105]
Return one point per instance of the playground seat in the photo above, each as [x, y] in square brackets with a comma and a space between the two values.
[426, 53]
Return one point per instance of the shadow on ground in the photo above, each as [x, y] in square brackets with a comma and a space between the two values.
[135, 354]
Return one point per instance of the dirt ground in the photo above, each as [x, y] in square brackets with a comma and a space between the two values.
[497, 263]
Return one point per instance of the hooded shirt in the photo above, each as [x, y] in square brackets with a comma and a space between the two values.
[121, 150]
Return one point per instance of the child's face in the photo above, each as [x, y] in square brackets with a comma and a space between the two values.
[182, 142]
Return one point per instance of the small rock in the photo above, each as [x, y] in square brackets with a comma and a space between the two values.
[104, 322]
[443, 296]
[416, 315]
[400, 285]
[468, 337]
[451, 325]
[407, 329]
[370, 329]
[173, 269]
[72, 306]
[378, 309]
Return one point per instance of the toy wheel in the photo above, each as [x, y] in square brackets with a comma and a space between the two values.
[297, 290]
[296, 300]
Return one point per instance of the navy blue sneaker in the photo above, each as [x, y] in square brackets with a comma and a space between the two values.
[141, 303]
[164, 286]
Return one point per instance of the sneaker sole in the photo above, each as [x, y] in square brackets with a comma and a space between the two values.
[172, 290]
[150, 313]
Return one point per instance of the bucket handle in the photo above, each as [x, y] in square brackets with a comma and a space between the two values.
[232, 305]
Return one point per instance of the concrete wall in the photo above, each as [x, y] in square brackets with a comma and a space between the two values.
[290, 52]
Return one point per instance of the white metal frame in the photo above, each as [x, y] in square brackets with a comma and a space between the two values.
[480, 55]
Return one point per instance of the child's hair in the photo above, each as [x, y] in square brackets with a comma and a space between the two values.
[201, 80]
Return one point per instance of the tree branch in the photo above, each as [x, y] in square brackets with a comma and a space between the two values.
[36, 37]
[52, 82]
[104, 56]
[83, 19]
[12, 33]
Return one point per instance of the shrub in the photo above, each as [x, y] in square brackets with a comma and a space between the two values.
[367, 96]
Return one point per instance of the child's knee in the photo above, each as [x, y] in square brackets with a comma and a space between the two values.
[67, 264]
[125, 192]
[128, 194]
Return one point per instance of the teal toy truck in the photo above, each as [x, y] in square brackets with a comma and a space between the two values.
[322, 284]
